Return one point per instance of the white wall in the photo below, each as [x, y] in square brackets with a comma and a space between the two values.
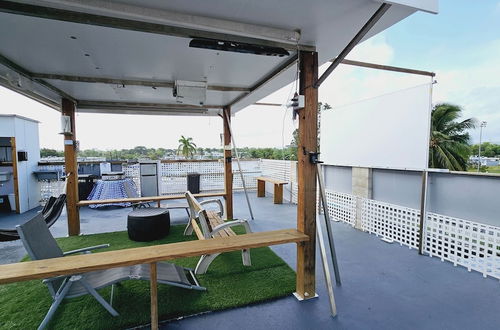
[26, 133]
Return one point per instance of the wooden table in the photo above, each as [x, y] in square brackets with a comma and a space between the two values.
[39, 269]
[278, 188]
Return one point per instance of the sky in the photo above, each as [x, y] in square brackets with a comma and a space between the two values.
[461, 44]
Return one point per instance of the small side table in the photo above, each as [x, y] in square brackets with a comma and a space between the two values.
[148, 224]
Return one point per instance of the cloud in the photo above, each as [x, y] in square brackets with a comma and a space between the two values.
[477, 89]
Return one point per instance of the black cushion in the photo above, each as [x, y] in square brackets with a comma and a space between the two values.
[148, 224]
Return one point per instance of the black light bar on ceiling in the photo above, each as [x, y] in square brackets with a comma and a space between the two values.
[237, 47]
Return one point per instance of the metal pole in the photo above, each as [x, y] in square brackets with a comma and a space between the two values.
[239, 169]
[326, 268]
[357, 38]
[483, 124]
[328, 224]
[423, 204]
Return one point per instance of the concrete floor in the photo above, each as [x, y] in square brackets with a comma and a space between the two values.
[384, 286]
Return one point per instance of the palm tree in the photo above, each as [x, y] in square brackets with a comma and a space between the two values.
[449, 144]
[187, 148]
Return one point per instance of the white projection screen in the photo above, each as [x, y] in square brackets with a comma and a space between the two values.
[388, 131]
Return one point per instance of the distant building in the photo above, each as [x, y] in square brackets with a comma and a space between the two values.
[485, 161]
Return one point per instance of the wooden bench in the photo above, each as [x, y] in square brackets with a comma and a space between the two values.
[278, 188]
[208, 224]
[31, 270]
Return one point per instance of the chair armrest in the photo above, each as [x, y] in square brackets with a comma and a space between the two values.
[232, 224]
[86, 249]
[216, 201]
[140, 205]
[60, 277]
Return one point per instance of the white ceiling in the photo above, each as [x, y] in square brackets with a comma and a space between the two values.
[45, 46]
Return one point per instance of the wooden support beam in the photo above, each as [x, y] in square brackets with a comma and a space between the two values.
[228, 165]
[154, 294]
[306, 208]
[71, 166]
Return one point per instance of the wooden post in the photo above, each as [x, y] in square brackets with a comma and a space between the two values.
[154, 295]
[71, 165]
[306, 208]
[261, 188]
[278, 194]
[15, 176]
[228, 166]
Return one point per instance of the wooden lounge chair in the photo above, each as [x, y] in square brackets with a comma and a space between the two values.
[209, 224]
[40, 244]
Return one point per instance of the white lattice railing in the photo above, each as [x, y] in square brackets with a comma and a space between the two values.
[470, 244]
[398, 223]
[466, 243]
[174, 176]
[341, 207]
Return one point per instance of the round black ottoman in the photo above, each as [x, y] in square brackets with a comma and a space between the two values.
[148, 224]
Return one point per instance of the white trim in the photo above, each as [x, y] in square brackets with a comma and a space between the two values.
[429, 6]
[154, 15]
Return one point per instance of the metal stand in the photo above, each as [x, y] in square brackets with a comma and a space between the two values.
[328, 224]
[319, 232]
[239, 170]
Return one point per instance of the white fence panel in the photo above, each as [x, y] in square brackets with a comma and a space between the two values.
[341, 207]
[470, 244]
[395, 222]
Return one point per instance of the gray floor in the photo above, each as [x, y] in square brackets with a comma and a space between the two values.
[384, 286]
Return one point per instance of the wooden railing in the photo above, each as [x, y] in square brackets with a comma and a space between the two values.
[31, 270]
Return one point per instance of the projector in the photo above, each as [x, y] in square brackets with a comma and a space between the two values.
[190, 92]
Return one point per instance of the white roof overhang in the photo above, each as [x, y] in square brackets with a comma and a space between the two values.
[123, 56]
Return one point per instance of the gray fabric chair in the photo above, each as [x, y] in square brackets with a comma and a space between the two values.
[40, 244]
[51, 212]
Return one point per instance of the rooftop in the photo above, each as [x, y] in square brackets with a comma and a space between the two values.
[384, 286]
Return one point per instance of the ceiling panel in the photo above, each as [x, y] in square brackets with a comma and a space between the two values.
[57, 47]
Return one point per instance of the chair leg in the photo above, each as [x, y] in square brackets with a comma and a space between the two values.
[99, 298]
[112, 294]
[245, 256]
[57, 301]
[187, 211]
[189, 229]
[204, 262]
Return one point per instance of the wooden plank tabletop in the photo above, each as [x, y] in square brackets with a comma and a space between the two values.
[30, 270]
[145, 199]
[272, 180]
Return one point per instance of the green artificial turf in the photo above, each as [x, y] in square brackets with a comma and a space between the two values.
[229, 284]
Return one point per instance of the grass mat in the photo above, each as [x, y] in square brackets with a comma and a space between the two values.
[229, 284]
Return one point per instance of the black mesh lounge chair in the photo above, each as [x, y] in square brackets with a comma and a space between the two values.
[40, 244]
[50, 212]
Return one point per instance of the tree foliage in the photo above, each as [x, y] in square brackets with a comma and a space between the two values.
[487, 149]
[186, 147]
[46, 152]
[449, 142]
